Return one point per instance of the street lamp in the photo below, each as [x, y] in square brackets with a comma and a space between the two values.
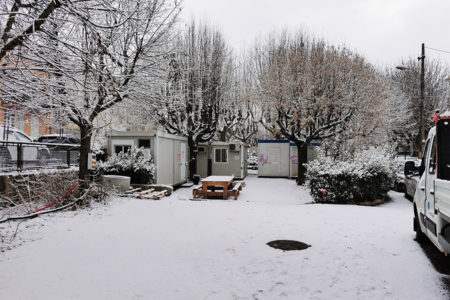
[422, 96]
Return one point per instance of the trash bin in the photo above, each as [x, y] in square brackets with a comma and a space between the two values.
[196, 179]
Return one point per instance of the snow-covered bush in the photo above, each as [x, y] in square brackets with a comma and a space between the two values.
[132, 163]
[365, 177]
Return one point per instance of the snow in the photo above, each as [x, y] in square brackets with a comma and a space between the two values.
[38, 171]
[445, 114]
[215, 249]
[218, 178]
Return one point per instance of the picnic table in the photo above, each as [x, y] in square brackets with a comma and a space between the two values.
[213, 182]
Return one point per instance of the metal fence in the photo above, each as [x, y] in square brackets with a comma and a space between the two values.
[19, 156]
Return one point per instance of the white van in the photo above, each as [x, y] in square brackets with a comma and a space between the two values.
[432, 195]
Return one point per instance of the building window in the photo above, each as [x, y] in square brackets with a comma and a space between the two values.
[34, 126]
[19, 122]
[121, 148]
[221, 155]
[144, 143]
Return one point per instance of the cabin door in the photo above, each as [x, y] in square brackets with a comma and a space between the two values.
[274, 162]
[183, 161]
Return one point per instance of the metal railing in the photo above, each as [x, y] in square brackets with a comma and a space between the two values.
[19, 156]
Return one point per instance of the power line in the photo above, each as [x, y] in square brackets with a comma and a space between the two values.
[439, 50]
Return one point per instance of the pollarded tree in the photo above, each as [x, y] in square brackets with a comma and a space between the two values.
[309, 89]
[191, 96]
[238, 110]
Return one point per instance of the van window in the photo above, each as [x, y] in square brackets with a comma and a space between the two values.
[432, 163]
[424, 158]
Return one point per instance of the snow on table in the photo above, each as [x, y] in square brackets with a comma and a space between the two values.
[218, 179]
[216, 249]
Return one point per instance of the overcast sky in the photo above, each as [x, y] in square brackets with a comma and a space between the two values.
[382, 30]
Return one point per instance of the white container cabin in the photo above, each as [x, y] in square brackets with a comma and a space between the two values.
[226, 159]
[168, 151]
[279, 158]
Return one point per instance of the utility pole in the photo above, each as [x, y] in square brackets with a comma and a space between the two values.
[422, 99]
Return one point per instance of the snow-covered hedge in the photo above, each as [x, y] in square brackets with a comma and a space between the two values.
[365, 177]
[132, 164]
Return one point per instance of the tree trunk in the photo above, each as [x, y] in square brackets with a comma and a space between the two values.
[223, 135]
[192, 158]
[302, 152]
[85, 148]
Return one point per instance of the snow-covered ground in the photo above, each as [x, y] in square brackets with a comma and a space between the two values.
[215, 249]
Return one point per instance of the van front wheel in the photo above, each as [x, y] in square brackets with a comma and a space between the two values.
[420, 236]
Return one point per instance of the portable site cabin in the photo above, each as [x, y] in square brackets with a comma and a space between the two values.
[279, 158]
[168, 151]
[226, 158]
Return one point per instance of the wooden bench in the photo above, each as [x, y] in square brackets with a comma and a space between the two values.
[197, 192]
[236, 188]
[243, 184]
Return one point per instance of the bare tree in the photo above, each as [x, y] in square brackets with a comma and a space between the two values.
[20, 19]
[93, 58]
[309, 89]
[377, 121]
[436, 92]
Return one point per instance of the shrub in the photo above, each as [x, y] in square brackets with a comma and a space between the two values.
[132, 164]
[364, 178]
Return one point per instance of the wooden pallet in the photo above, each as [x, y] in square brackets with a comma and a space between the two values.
[145, 194]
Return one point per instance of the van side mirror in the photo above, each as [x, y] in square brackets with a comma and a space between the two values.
[410, 168]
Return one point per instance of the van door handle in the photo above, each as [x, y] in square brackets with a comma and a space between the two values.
[431, 191]
[422, 188]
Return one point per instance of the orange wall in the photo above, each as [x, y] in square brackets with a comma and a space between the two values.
[44, 122]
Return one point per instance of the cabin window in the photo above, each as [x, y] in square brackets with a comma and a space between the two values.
[221, 155]
[144, 143]
[121, 148]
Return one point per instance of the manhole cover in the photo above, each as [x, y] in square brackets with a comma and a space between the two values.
[288, 245]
